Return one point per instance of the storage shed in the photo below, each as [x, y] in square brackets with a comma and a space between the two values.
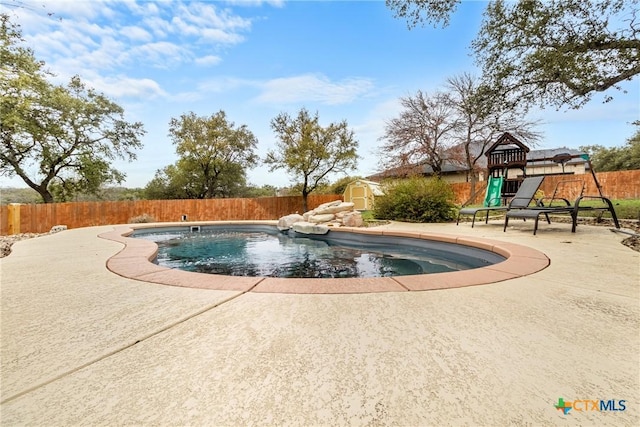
[362, 194]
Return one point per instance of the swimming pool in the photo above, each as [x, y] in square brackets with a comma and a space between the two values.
[136, 258]
[264, 251]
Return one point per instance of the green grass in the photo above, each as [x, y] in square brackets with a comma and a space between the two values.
[625, 208]
[367, 215]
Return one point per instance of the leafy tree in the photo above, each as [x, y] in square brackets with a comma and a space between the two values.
[421, 11]
[122, 193]
[310, 152]
[167, 183]
[340, 185]
[19, 195]
[336, 187]
[214, 155]
[30, 196]
[68, 134]
[633, 150]
[253, 191]
[557, 52]
[626, 157]
[419, 135]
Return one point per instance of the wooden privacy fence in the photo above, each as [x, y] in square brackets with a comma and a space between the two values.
[615, 185]
[39, 218]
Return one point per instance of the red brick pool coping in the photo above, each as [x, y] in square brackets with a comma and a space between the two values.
[134, 261]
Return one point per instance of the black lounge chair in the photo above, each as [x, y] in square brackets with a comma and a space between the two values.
[565, 207]
[522, 199]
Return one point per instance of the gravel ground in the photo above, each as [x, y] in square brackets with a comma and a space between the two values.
[632, 241]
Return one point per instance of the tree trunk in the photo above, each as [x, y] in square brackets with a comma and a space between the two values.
[47, 197]
[473, 181]
[305, 194]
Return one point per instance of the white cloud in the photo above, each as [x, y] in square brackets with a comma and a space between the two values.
[314, 88]
[159, 54]
[219, 36]
[63, 8]
[301, 89]
[101, 35]
[136, 33]
[209, 24]
[208, 60]
[127, 87]
[55, 41]
[157, 26]
[204, 15]
[370, 130]
[145, 8]
[254, 3]
[374, 123]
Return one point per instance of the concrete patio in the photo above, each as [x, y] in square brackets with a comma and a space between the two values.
[81, 345]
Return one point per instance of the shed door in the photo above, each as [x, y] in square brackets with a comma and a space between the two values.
[358, 197]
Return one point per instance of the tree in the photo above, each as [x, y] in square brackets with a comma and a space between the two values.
[69, 134]
[454, 126]
[183, 180]
[421, 11]
[253, 191]
[168, 183]
[556, 52]
[481, 120]
[310, 152]
[341, 184]
[214, 155]
[626, 157]
[419, 135]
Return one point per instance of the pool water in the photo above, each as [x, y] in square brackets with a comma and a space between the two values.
[276, 254]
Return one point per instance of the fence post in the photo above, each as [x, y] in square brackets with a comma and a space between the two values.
[13, 218]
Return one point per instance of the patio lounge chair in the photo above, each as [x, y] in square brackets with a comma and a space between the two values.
[520, 200]
[565, 207]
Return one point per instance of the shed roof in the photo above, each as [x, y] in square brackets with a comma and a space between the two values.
[375, 187]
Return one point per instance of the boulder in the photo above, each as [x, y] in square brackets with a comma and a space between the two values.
[58, 228]
[328, 204]
[353, 219]
[287, 221]
[310, 228]
[321, 218]
[334, 208]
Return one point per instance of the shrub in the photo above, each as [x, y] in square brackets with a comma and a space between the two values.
[141, 218]
[417, 200]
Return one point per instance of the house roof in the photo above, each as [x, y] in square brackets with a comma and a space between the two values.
[545, 156]
[534, 158]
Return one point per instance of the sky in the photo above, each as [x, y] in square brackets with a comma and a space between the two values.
[345, 60]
